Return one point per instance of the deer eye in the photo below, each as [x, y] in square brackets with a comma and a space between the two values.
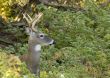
[41, 36]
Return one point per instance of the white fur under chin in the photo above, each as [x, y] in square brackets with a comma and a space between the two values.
[38, 47]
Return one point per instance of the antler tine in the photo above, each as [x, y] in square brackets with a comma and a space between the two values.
[29, 17]
[36, 20]
[24, 16]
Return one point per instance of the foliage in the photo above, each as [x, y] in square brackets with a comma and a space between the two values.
[77, 62]
[87, 32]
[82, 47]
[7, 10]
[11, 66]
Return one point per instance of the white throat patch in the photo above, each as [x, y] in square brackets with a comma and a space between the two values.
[38, 47]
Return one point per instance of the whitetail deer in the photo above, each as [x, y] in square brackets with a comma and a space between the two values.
[35, 41]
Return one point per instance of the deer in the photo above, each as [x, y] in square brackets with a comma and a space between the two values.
[36, 40]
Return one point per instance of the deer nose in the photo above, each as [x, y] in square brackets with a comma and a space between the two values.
[52, 42]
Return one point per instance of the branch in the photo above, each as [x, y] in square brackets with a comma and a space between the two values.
[64, 7]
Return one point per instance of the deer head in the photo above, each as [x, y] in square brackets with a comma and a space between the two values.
[34, 34]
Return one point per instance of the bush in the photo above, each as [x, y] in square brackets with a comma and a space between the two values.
[77, 63]
[11, 66]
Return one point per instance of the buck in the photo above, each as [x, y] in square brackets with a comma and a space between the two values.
[35, 41]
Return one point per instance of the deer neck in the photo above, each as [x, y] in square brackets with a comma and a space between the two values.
[34, 52]
[34, 47]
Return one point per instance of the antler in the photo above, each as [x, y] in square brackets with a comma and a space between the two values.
[36, 20]
[32, 21]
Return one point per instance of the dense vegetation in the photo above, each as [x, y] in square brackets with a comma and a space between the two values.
[82, 43]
